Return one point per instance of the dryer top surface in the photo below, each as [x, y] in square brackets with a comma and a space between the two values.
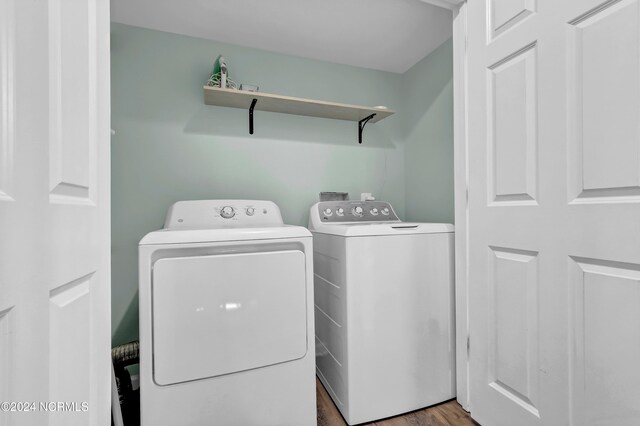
[201, 221]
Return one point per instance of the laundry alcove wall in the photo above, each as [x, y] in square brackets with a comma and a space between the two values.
[169, 146]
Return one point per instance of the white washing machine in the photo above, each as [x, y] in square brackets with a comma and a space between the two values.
[384, 295]
[226, 318]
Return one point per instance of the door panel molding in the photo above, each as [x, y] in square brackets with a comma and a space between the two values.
[512, 129]
[72, 94]
[503, 15]
[605, 313]
[7, 100]
[604, 100]
[596, 10]
[70, 349]
[513, 325]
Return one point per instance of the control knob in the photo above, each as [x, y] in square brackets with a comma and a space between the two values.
[374, 211]
[250, 211]
[385, 211]
[227, 212]
[340, 211]
[357, 211]
[327, 212]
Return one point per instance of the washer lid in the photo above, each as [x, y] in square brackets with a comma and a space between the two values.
[183, 236]
[394, 228]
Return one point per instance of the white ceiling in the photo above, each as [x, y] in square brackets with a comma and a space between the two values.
[388, 35]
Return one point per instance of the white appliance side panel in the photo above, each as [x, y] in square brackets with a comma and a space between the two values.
[400, 324]
[331, 316]
[221, 314]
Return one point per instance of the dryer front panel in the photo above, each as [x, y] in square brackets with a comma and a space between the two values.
[221, 314]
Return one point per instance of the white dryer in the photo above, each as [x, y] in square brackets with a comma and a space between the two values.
[226, 318]
[384, 295]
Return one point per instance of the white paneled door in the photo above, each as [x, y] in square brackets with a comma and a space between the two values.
[54, 213]
[554, 212]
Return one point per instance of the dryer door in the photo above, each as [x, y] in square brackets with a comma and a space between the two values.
[220, 314]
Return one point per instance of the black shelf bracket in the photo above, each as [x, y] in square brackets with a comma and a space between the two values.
[361, 125]
[253, 105]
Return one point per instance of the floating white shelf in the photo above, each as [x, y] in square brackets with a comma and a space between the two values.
[290, 105]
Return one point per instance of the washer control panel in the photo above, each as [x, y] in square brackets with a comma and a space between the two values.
[204, 214]
[356, 211]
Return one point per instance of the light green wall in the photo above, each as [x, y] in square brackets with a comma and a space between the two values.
[426, 117]
[169, 146]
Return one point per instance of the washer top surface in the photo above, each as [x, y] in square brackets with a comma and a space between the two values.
[222, 220]
[366, 218]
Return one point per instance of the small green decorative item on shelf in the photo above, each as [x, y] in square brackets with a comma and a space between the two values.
[220, 75]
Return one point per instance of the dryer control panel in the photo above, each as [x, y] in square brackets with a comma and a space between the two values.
[206, 214]
[356, 211]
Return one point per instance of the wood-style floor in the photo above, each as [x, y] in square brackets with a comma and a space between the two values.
[445, 414]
